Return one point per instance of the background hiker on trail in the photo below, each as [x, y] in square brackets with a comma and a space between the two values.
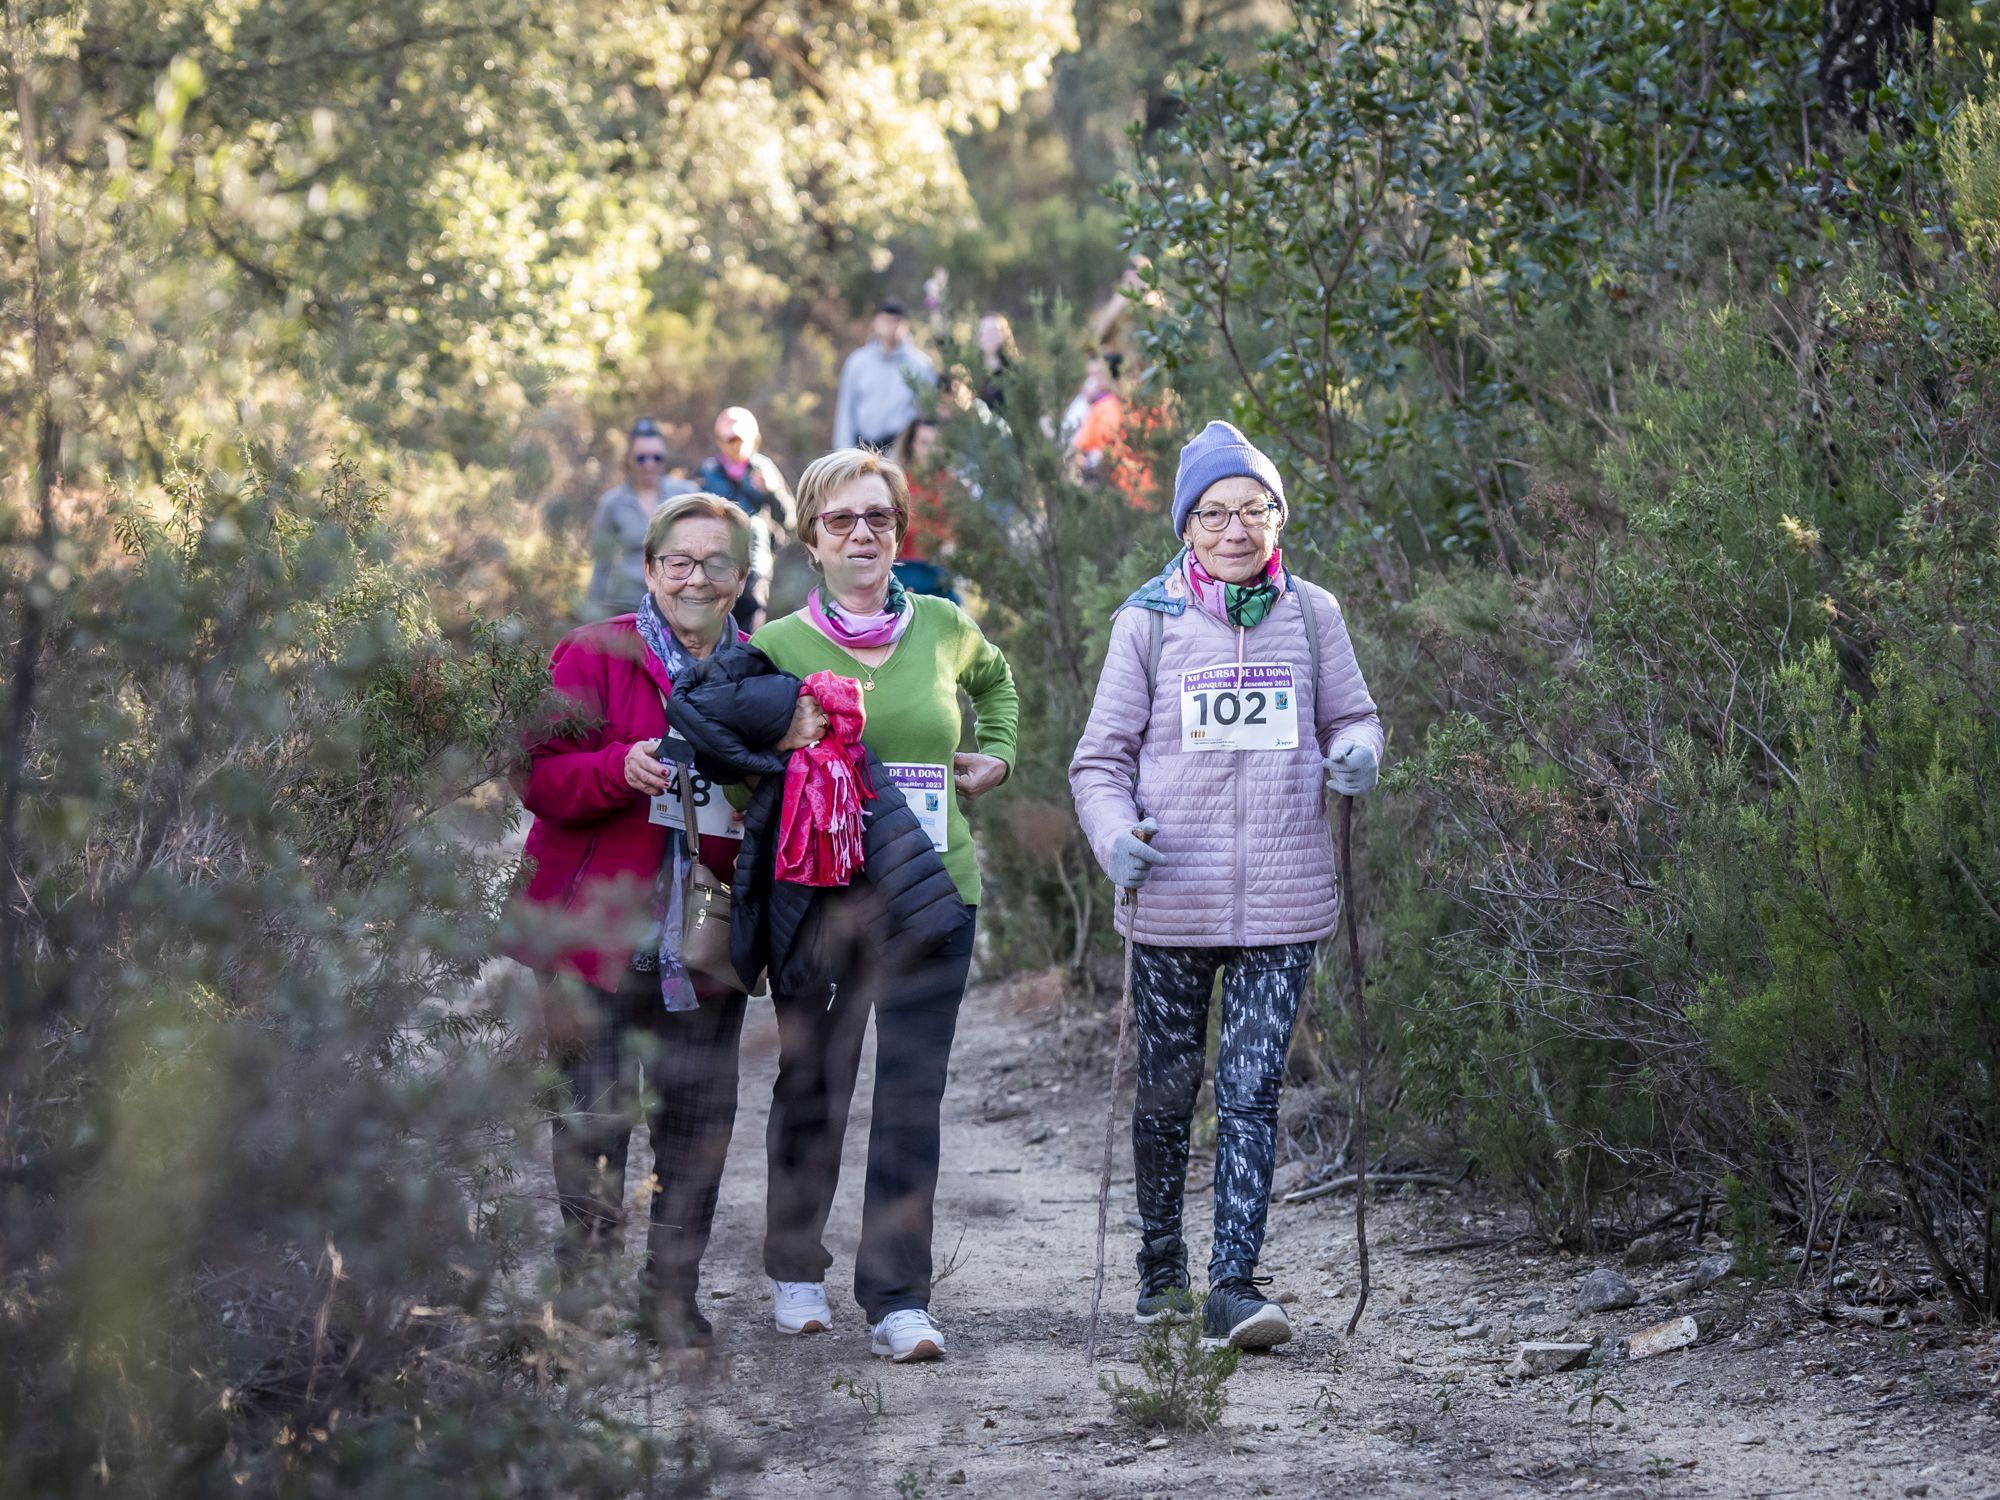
[738, 470]
[1230, 695]
[600, 918]
[997, 353]
[618, 526]
[927, 543]
[876, 401]
[912, 656]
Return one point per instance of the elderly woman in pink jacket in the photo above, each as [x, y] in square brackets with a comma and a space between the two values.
[1230, 698]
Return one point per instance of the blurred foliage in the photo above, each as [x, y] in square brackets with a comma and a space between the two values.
[259, 1225]
[438, 240]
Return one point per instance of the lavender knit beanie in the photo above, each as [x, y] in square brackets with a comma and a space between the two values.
[1219, 451]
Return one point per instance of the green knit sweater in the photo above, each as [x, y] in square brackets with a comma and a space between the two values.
[913, 711]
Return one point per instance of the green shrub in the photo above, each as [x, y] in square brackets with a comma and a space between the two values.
[1181, 1385]
[260, 1231]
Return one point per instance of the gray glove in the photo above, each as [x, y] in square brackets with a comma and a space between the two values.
[1352, 768]
[1133, 860]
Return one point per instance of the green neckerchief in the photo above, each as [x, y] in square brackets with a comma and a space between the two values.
[1248, 603]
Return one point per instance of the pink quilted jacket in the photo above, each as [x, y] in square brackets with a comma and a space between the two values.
[1249, 850]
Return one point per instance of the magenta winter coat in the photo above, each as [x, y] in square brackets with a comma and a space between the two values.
[1249, 849]
[593, 854]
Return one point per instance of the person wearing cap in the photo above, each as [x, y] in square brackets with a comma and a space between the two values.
[877, 399]
[1229, 704]
[739, 471]
[618, 527]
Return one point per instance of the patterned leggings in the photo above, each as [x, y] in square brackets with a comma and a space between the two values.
[1261, 988]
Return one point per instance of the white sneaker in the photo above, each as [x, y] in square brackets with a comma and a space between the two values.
[800, 1307]
[907, 1335]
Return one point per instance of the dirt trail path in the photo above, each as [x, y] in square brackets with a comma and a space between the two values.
[1788, 1406]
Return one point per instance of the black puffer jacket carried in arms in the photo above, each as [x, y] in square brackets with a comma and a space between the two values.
[731, 709]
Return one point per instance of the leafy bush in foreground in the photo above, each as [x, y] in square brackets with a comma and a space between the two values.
[255, 1157]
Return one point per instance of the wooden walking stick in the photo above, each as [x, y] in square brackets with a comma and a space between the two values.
[1367, 1047]
[1128, 901]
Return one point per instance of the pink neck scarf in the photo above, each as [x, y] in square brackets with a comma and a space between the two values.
[862, 632]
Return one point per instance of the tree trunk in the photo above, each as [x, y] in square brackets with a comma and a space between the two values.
[1859, 42]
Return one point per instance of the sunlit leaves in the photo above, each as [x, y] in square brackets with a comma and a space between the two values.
[1360, 227]
[383, 222]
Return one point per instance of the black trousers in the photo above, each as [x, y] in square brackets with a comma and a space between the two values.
[1261, 988]
[634, 1060]
[819, 1055]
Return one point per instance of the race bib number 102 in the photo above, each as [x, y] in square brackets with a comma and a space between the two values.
[1248, 706]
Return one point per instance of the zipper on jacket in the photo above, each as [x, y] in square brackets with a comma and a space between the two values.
[832, 994]
[1241, 903]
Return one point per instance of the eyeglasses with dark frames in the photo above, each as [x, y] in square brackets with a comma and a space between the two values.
[679, 567]
[1255, 517]
[877, 519]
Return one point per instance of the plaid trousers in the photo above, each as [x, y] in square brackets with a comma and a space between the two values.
[677, 1071]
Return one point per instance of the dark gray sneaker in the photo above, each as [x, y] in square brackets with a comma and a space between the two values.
[1163, 1280]
[1236, 1314]
[1163, 1296]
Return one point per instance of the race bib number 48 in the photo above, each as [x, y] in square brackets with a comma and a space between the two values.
[713, 815]
[1248, 706]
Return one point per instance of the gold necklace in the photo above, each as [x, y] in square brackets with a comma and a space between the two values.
[868, 685]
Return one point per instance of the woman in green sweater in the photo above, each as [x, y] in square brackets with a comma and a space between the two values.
[912, 655]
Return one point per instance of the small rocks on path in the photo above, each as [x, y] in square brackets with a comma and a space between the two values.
[1651, 1249]
[1711, 1270]
[1664, 1338]
[1604, 1290]
[1547, 1359]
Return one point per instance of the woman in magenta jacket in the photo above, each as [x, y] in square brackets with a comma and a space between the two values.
[1229, 704]
[600, 916]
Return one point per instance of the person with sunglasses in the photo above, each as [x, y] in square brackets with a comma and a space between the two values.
[1229, 703]
[912, 656]
[600, 917]
[618, 526]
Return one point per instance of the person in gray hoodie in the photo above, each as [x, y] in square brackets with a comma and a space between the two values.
[1229, 705]
[877, 397]
[618, 528]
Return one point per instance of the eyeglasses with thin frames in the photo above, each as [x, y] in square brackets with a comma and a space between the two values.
[679, 567]
[1255, 517]
[878, 519]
